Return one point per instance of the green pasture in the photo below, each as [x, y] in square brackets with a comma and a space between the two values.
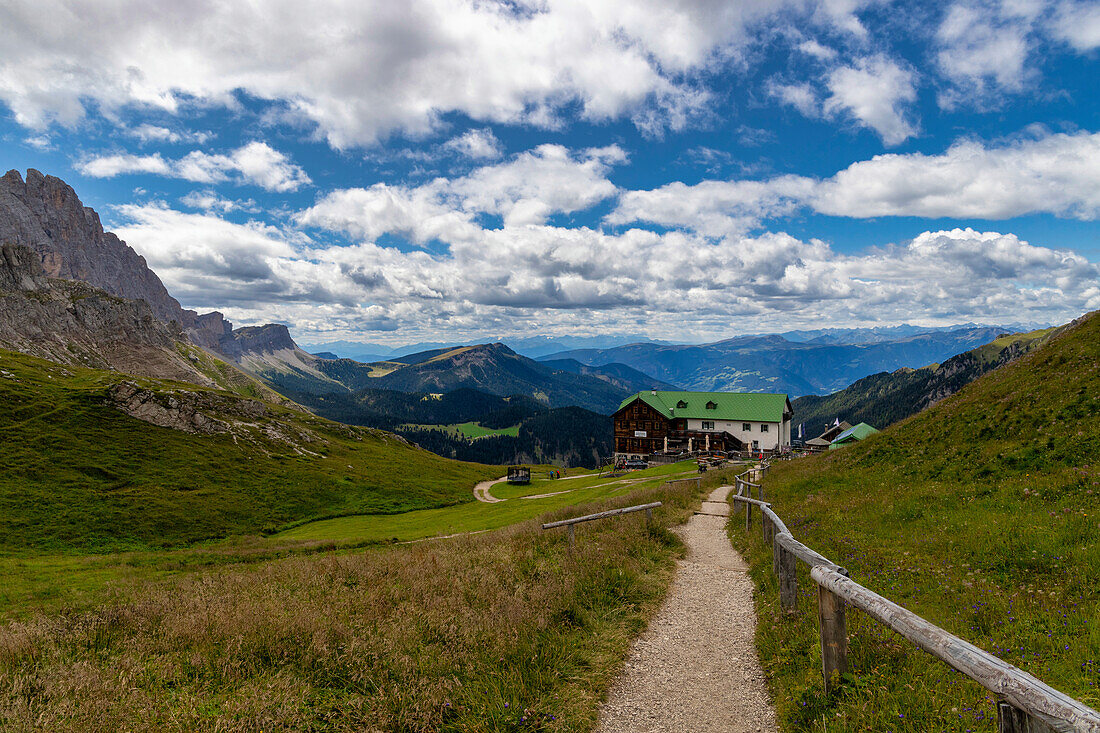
[468, 430]
[480, 516]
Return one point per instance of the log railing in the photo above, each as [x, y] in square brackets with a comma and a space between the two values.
[570, 523]
[1024, 703]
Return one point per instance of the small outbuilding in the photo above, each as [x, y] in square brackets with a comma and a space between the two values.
[853, 434]
[519, 475]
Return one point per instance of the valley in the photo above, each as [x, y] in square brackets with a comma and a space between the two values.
[204, 525]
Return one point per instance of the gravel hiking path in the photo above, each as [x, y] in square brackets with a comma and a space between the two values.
[481, 491]
[695, 668]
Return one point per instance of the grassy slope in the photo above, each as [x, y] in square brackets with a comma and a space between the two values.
[474, 430]
[980, 514]
[480, 516]
[504, 631]
[79, 474]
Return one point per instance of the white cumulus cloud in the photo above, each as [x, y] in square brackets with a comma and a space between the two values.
[360, 71]
[875, 91]
[525, 189]
[1054, 174]
[1058, 174]
[476, 144]
[256, 163]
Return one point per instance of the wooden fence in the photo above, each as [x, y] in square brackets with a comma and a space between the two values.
[570, 523]
[698, 480]
[1024, 704]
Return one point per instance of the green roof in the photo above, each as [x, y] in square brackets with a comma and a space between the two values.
[856, 432]
[748, 406]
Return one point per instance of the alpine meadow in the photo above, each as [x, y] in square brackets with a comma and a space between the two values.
[471, 366]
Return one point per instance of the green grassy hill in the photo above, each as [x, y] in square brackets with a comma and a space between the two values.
[982, 514]
[79, 473]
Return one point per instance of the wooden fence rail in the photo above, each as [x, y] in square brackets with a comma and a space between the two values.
[1024, 704]
[570, 523]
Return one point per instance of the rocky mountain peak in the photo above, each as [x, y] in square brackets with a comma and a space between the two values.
[45, 214]
[265, 339]
[66, 242]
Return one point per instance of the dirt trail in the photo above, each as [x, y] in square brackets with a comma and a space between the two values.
[695, 668]
[481, 491]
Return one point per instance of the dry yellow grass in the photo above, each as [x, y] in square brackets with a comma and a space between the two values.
[504, 631]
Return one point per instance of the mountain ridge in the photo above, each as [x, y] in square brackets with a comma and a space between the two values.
[770, 363]
[887, 397]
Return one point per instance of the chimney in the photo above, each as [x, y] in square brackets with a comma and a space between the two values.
[653, 392]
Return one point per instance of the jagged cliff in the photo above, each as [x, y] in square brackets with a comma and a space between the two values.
[72, 322]
[44, 214]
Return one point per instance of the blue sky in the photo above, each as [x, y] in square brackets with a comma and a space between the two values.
[452, 171]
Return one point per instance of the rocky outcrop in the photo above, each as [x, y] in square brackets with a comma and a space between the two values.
[45, 214]
[267, 339]
[211, 413]
[191, 412]
[72, 322]
[209, 331]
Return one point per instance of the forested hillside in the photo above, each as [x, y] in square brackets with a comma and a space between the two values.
[568, 436]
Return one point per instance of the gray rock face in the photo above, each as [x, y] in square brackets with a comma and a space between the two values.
[45, 214]
[191, 412]
[72, 322]
[265, 339]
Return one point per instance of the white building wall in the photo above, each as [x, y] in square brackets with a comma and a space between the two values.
[778, 433]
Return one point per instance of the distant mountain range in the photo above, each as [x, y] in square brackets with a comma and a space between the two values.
[881, 334]
[530, 346]
[77, 294]
[885, 398]
[491, 368]
[776, 364]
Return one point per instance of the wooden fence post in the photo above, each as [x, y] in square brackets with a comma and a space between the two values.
[572, 537]
[648, 518]
[775, 552]
[1013, 720]
[764, 522]
[834, 637]
[748, 516]
[788, 579]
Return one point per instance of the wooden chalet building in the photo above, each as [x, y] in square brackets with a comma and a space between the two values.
[657, 422]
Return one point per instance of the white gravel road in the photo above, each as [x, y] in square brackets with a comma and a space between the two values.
[695, 668]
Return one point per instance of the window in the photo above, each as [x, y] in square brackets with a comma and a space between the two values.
[681, 404]
[712, 406]
[708, 425]
[763, 428]
[746, 427]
